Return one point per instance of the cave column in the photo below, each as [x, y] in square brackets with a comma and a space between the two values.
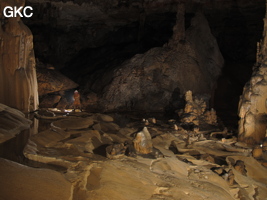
[253, 102]
[18, 82]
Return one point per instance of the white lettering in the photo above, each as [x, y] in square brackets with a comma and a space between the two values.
[8, 13]
[14, 12]
[17, 11]
[24, 11]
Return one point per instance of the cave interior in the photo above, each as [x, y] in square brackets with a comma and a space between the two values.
[173, 91]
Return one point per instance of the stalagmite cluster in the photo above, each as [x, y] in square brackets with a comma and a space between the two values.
[253, 102]
[195, 111]
[18, 83]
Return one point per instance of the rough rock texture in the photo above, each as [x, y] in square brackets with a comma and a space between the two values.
[18, 83]
[203, 169]
[148, 81]
[50, 81]
[12, 122]
[195, 111]
[22, 182]
[253, 102]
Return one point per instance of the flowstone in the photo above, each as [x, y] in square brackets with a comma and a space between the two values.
[253, 102]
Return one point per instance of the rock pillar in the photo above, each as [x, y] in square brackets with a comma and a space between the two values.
[18, 82]
[253, 102]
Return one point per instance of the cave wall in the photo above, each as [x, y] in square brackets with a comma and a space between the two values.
[18, 83]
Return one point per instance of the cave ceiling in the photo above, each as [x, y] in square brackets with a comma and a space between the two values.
[64, 29]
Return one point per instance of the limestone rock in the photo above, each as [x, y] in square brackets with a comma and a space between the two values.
[211, 117]
[12, 121]
[143, 142]
[50, 81]
[49, 101]
[22, 182]
[195, 111]
[253, 102]
[105, 118]
[73, 123]
[115, 150]
[157, 75]
[240, 167]
[18, 83]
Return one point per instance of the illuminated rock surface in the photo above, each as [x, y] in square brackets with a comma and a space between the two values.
[22, 182]
[253, 102]
[18, 83]
[50, 81]
[100, 161]
[12, 122]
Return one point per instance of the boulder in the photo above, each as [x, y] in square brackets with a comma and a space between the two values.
[50, 81]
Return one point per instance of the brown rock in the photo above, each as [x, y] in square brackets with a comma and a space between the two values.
[230, 177]
[240, 167]
[115, 151]
[50, 81]
[12, 121]
[49, 101]
[73, 123]
[252, 104]
[22, 182]
[154, 76]
[18, 83]
[143, 142]
[257, 152]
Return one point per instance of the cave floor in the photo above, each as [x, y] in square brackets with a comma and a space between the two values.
[71, 152]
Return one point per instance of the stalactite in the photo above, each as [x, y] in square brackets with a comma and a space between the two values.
[18, 82]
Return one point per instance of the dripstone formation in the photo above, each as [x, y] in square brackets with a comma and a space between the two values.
[253, 102]
[18, 83]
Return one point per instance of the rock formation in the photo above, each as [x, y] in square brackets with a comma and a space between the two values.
[50, 81]
[143, 142]
[195, 111]
[100, 162]
[18, 83]
[191, 60]
[12, 122]
[253, 102]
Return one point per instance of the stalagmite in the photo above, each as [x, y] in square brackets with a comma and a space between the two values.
[18, 83]
[253, 102]
[143, 142]
[179, 28]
